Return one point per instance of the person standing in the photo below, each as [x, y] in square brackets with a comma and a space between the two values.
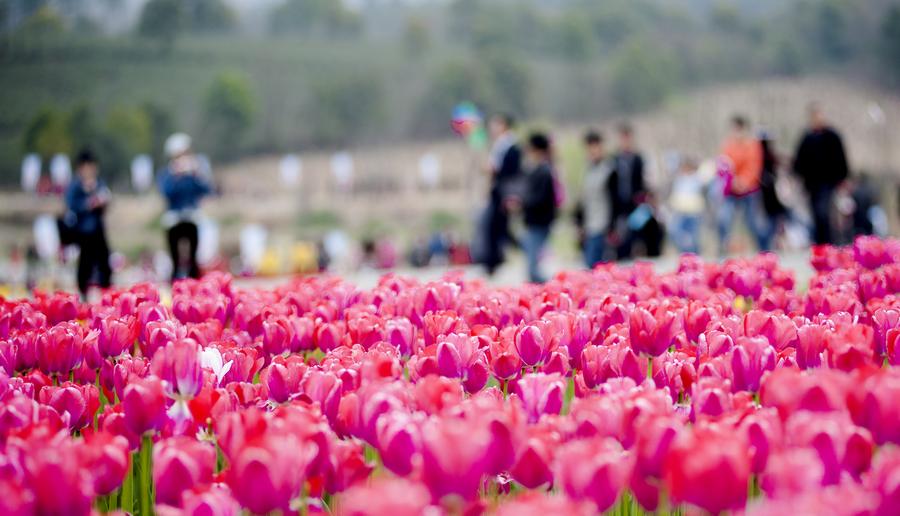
[627, 191]
[505, 170]
[687, 202]
[821, 163]
[744, 156]
[595, 199]
[183, 187]
[538, 204]
[86, 200]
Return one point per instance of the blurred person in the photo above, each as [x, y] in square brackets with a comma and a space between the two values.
[538, 203]
[744, 156]
[183, 186]
[777, 213]
[86, 200]
[626, 189]
[505, 167]
[595, 200]
[688, 203]
[821, 163]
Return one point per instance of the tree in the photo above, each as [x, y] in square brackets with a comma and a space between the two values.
[126, 133]
[511, 83]
[162, 125]
[328, 17]
[163, 21]
[416, 36]
[229, 108]
[641, 76]
[890, 40]
[209, 15]
[343, 106]
[48, 133]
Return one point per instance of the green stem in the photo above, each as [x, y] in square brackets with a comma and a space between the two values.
[126, 501]
[146, 487]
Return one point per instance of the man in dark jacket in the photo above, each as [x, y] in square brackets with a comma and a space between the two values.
[505, 170]
[86, 200]
[822, 165]
[626, 190]
[538, 204]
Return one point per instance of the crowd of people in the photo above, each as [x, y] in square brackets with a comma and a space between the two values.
[618, 214]
[620, 217]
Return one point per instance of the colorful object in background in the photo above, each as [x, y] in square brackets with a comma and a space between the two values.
[468, 122]
[31, 172]
[715, 388]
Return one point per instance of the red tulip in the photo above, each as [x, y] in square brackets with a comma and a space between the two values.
[708, 468]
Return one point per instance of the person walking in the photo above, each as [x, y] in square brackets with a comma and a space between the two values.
[743, 155]
[775, 210]
[183, 187]
[505, 168]
[538, 204]
[595, 199]
[821, 163]
[86, 200]
[627, 191]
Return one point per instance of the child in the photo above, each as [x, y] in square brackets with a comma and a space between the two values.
[687, 204]
[538, 203]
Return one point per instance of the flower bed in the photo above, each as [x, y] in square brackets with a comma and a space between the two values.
[718, 387]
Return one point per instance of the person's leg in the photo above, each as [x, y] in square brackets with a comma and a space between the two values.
[758, 221]
[535, 238]
[85, 264]
[103, 267]
[821, 210]
[594, 247]
[192, 235]
[174, 236]
[724, 220]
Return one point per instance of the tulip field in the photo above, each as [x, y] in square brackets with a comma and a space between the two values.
[720, 387]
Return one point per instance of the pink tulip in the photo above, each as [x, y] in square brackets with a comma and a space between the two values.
[116, 336]
[386, 495]
[750, 359]
[144, 404]
[539, 504]
[540, 394]
[531, 345]
[454, 457]
[179, 464]
[651, 333]
[77, 404]
[593, 469]
[178, 365]
[106, 457]
[60, 349]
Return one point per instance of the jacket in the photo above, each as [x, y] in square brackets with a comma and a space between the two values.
[539, 198]
[820, 160]
[80, 216]
[746, 157]
[624, 200]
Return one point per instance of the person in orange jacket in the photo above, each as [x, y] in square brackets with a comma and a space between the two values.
[744, 155]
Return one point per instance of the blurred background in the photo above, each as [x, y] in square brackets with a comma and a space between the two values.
[326, 123]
